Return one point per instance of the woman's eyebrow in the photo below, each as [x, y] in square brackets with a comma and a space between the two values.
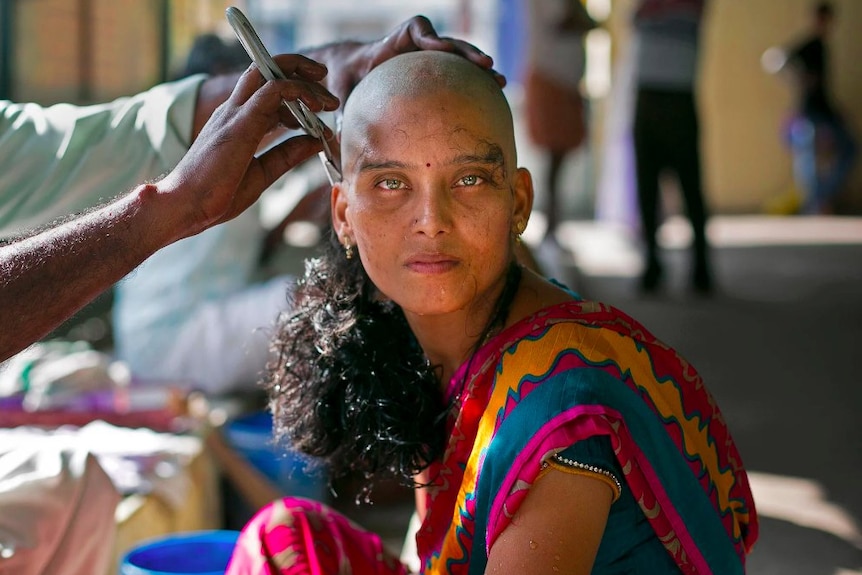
[493, 155]
[368, 165]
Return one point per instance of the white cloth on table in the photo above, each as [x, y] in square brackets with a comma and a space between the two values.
[59, 491]
[56, 512]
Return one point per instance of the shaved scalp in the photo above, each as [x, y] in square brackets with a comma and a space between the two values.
[422, 74]
[419, 73]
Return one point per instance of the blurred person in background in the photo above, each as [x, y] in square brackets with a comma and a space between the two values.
[824, 149]
[195, 311]
[556, 108]
[212, 55]
[667, 128]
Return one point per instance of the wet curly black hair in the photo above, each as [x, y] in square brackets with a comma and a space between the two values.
[349, 384]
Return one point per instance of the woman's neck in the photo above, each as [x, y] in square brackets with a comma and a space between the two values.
[448, 344]
[449, 339]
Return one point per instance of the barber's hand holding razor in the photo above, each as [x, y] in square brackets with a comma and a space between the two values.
[220, 176]
[47, 277]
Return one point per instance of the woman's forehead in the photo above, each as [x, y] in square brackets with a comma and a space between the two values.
[449, 127]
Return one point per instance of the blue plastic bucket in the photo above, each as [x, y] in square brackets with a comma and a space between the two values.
[251, 437]
[196, 552]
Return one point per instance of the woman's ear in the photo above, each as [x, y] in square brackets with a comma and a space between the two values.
[523, 205]
[338, 205]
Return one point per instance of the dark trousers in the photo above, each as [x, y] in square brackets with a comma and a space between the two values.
[666, 136]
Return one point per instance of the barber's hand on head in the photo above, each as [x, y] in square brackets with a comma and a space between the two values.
[349, 62]
[220, 177]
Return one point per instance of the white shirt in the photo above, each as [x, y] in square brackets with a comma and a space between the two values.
[64, 159]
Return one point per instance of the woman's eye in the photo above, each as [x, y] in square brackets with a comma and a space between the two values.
[391, 184]
[471, 180]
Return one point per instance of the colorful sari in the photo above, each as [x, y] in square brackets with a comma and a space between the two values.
[295, 536]
[571, 373]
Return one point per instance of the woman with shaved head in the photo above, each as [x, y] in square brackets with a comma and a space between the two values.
[542, 433]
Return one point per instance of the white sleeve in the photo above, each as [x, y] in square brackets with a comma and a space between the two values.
[64, 159]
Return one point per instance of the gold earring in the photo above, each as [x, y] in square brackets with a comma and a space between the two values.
[348, 250]
[519, 229]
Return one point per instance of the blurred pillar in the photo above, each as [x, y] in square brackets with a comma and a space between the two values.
[85, 51]
[7, 8]
[165, 40]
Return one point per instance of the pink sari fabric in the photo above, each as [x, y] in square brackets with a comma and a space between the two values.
[295, 536]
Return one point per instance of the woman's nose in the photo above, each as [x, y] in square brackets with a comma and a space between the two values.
[433, 210]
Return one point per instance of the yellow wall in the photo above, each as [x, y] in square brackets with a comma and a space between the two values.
[125, 46]
[124, 50]
[742, 107]
[45, 51]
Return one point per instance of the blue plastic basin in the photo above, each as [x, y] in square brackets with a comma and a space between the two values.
[198, 552]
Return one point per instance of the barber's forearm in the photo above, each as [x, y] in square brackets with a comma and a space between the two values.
[46, 278]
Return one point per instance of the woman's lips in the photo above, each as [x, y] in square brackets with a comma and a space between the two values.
[431, 264]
